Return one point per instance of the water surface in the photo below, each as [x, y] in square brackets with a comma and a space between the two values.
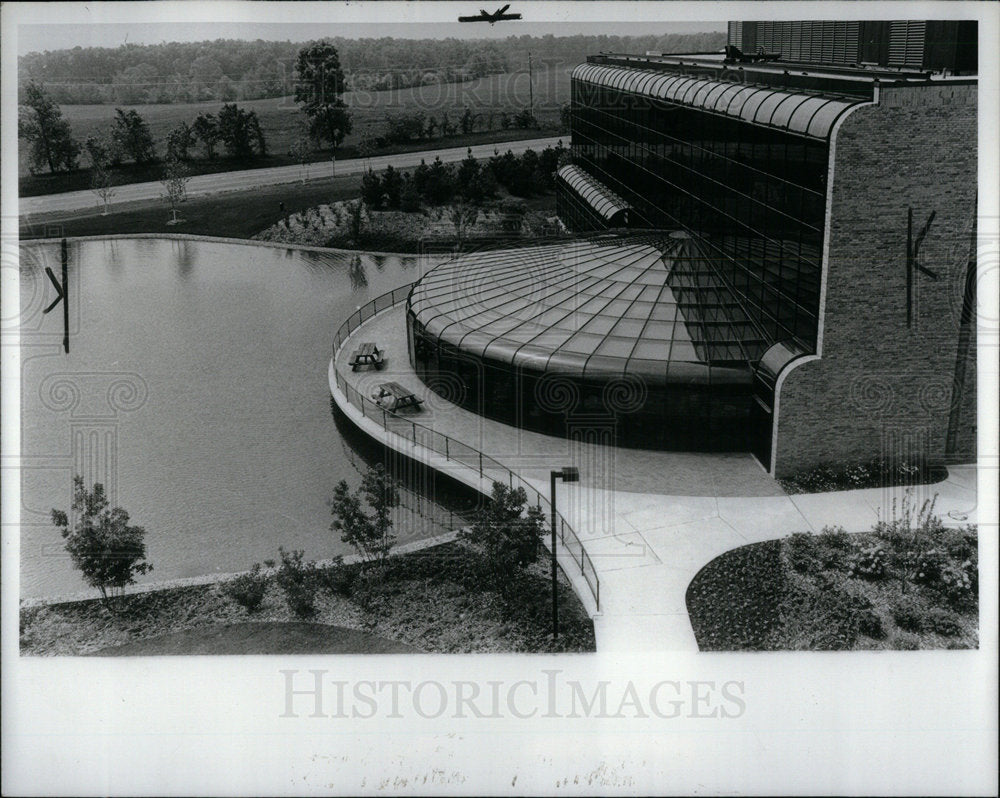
[196, 386]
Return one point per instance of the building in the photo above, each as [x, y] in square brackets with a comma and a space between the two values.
[781, 256]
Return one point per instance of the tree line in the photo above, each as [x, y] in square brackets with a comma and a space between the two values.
[225, 70]
[470, 180]
[319, 92]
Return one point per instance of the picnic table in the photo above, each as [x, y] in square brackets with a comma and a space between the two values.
[393, 396]
[367, 354]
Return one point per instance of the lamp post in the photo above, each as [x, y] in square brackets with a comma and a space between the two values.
[567, 474]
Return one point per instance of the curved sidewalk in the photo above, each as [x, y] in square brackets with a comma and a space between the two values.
[649, 521]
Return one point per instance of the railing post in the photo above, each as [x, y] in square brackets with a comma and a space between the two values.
[414, 428]
[446, 456]
[384, 423]
[480, 465]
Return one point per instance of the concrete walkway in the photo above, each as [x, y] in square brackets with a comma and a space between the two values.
[648, 520]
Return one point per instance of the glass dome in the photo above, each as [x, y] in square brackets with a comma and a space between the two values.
[644, 313]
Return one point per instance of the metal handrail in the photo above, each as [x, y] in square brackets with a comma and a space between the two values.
[452, 449]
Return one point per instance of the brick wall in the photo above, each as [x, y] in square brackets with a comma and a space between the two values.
[880, 387]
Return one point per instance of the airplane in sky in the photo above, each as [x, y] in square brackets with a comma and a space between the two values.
[497, 16]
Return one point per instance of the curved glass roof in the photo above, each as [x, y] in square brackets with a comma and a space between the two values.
[648, 304]
[807, 114]
[598, 196]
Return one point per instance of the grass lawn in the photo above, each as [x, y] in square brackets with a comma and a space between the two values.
[239, 214]
[835, 591]
[428, 602]
[282, 122]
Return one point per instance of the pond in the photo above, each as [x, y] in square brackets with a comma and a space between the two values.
[196, 390]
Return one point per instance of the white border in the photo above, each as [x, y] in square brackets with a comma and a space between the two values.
[918, 723]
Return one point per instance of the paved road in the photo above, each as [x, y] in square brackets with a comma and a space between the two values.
[253, 178]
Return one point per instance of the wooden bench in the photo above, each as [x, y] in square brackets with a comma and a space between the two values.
[393, 396]
[367, 355]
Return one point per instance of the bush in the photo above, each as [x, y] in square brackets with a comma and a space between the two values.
[929, 566]
[944, 622]
[876, 473]
[803, 553]
[298, 581]
[835, 545]
[957, 585]
[247, 590]
[870, 562]
[337, 579]
[911, 614]
[830, 619]
[906, 642]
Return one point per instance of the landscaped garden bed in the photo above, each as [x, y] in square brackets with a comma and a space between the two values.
[427, 601]
[877, 473]
[909, 583]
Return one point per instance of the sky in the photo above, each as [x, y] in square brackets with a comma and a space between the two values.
[95, 29]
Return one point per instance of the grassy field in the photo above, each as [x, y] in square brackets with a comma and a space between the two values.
[282, 121]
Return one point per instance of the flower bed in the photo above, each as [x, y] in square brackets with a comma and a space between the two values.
[899, 586]
[877, 473]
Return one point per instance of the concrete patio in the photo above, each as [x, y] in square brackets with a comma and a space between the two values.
[648, 520]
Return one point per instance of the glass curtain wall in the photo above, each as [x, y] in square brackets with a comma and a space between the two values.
[754, 196]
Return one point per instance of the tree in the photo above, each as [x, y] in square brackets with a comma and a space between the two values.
[179, 141]
[506, 535]
[467, 121]
[40, 121]
[392, 185]
[103, 546]
[319, 90]
[175, 178]
[131, 135]
[300, 152]
[102, 184]
[409, 197]
[240, 132]
[440, 183]
[371, 190]
[206, 128]
[98, 151]
[134, 84]
[370, 534]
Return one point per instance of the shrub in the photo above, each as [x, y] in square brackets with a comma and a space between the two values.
[929, 566]
[830, 619]
[957, 585]
[906, 642]
[834, 547]
[910, 614]
[962, 543]
[247, 589]
[803, 553]
[870, 562]
[944, 622]
[298, 581]
[337, 578]
[875, 473]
